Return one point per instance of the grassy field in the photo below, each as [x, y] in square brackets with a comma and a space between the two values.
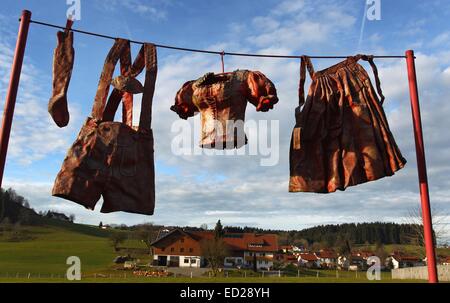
[47, 252]
[43, 259]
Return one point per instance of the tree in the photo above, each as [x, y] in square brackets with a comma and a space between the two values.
[344, 247]
[218, 230]
[380, 252]
[214, 251]
[72, 218]
[204, 226]
[117, 238]
[302, 243]
[24, 217]
[147, 233]
[316, 246]
[415, 219]
[100, 225]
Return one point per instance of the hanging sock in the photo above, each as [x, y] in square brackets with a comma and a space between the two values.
[63, 59]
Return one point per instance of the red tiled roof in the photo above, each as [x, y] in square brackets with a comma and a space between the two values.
[308, 257]
[407, 258]
[237, 241]
[327, 254]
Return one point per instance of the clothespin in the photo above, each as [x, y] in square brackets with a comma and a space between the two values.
[69, 24]
[222, 54]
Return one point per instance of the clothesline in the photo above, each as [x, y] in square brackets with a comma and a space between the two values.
[222, 53]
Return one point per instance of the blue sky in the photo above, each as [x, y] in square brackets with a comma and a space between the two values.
[201, 189]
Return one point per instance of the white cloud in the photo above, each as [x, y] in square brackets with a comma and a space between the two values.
[246, 193]
[34, 134]
[441, 40]
[289, 7]
[154, 10]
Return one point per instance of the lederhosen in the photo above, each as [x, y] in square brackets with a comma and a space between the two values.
[342, 137]
[112, 159]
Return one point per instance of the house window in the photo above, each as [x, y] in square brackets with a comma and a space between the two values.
[182, 240]
[182, 249]
[162, 249]
[172, 249]
[186, 261]
[263, 254]
[191, 250]
[193, 261]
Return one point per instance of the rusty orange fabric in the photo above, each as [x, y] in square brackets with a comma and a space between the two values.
[221, 100]
[110, 159]
[341, 137]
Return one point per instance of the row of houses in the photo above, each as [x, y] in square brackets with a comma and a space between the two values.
[329, 259]
[182, 248]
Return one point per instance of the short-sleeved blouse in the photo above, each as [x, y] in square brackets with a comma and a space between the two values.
[221, 100]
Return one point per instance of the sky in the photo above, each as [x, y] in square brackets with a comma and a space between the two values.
[200, 189]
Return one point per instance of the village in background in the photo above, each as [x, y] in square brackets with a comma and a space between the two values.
[149, 250]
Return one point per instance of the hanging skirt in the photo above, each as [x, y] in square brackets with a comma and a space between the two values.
[342, 137]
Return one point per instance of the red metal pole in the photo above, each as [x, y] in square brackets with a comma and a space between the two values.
[11, 95]
[422, 169]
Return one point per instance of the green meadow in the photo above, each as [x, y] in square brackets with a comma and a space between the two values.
[42, 258]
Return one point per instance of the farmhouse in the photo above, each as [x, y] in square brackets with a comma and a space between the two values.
[309, 260]
[181, 248]
[400, 261]
[289, 249]
[327, 258]
[286, 258]
[57, 216]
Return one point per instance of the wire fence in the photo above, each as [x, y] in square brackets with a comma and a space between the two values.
[228, 274]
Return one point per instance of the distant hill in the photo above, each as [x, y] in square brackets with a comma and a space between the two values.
[334, 234]
[360, 233]
[14, 208]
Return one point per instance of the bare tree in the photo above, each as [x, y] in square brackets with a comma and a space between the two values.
[215, 251]
[147, 233]
[116, 238]
[439, 219]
